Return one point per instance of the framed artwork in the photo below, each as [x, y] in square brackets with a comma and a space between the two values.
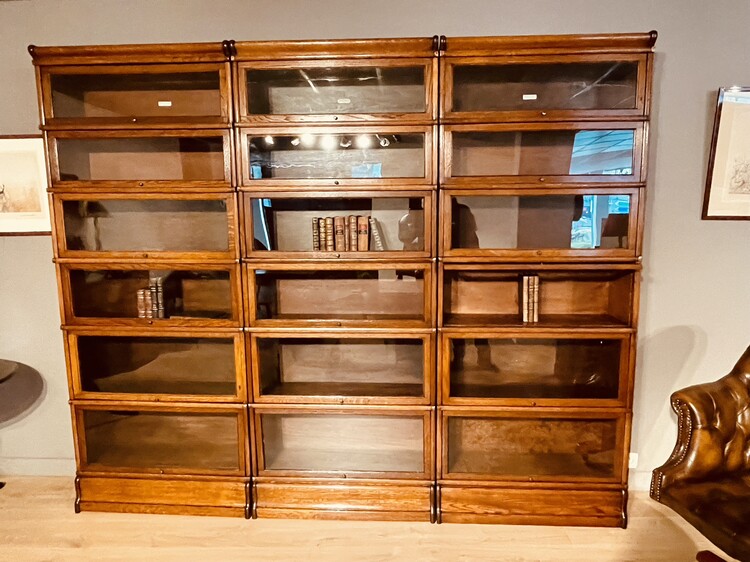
[24, 208]
[728, 183]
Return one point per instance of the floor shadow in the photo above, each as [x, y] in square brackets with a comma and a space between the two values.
[684, 541]
[20, 394]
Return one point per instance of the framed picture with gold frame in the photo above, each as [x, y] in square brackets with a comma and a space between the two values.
[727, 194]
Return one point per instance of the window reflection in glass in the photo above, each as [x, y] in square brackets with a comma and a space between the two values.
[546, 153]
[541, 222]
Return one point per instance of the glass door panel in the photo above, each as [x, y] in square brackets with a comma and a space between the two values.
[340, 224]
[343, 443]
[189, 365]
[127, 94]
[336, 155]
[535, 368]
[161, 441]
[538, 448]
[585, 221]
[166, 294]
[594, 85]
[141, 160]
[145, 225]
[361, 295]
[324, 90]
[340, 367]
[555, 154]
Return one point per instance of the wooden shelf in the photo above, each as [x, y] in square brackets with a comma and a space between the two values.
[348, 461]
[570, 321]
[344, 389]
[531, 465]
[559, 390]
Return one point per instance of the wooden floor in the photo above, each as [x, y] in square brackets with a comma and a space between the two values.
[37, 523]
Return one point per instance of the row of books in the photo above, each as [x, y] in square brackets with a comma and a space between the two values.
[530, 298]
[150, 302]
[351, 233]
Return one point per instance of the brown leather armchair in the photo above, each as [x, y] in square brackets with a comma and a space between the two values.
[707, 478]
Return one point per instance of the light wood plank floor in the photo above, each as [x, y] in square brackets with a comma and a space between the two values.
[37, 523]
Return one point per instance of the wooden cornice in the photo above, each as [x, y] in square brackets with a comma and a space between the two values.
[550, 44]
[337, 48]
[129, 54]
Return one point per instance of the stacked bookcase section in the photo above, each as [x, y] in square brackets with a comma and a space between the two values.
[374, 279]
[337, 162]
[543, 168]
[147, 254]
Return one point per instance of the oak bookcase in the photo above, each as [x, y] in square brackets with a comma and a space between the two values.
[225, 358]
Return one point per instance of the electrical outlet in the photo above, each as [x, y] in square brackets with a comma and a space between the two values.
[633, 460]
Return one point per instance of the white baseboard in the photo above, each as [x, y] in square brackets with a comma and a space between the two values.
[37, 467]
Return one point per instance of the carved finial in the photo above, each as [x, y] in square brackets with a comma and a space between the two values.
[653, 34]
[226, 46]
[32, 50]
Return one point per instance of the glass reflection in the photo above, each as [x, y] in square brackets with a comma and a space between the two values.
[336, 90]
[547, 153]
[581, 86]
[535, 368]
[122, 225]
[356, 155]
[301, 225]
[539, 222]
[186, 94]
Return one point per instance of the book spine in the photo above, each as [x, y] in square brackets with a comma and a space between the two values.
[347, 237]
[353, 233]
[535, 317]
[321, 234]
[160, 298]
[154, 300]
[363, 234]
[148, 305]
[330, 245]
[339, 234]
[141, 302]
[525, 298]
[315, 235]
[377, 239]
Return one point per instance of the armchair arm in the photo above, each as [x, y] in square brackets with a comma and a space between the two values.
[710, 436]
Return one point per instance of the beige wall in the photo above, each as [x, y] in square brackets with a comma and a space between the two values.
[695, 315]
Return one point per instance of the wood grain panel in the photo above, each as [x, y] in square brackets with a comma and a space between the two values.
[532, 506]
[165, 492]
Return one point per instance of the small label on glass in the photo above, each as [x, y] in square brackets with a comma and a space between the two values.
[527, 97]
[164, 103]
[344, 100]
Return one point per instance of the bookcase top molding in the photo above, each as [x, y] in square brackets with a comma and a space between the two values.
[146, 53]
[342, 48]
[551, 44]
